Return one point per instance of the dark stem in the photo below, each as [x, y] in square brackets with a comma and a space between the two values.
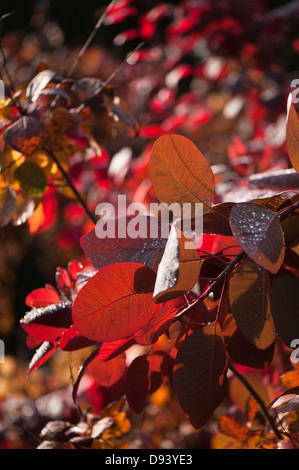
[73, 188]
[259, 401]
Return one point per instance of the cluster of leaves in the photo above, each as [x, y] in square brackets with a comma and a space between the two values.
[107, 432]
[213, 304]
[46, 142]
[203, 82]
[151, 312]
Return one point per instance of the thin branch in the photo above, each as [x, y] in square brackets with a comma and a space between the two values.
[259, 401]
[74, 189]
[90, 38]
[112, 76]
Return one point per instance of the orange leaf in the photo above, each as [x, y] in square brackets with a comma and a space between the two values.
[180, 174]
[233, 427]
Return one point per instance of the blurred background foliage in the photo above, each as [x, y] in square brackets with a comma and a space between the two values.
[52, 32]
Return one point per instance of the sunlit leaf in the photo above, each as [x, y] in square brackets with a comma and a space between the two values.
[38, 83]
[107, 373]
[249, 289]
[8, 205]
[258, 232]
[234, 427]
[179, 267]
[115, 302]
[31, 178]
[180, 174]
[47, 323]
[71, 340]
[111, 349]
[25, 135]
[290, 379]
[42, 297]
[293, 136]
[42, 354]
[158, 325]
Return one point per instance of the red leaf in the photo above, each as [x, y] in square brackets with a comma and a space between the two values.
[25, 135]
[71, 340]
[179, 173]
[47, 323]
[63, 281]
[107, 373]
[115, 302]
[111, 349]
[42, 354]
[42, 297]
[158, 325]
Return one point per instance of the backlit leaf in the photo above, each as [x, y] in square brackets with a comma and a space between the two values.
[38, 83]
[232, 426]
[180, 174]
[115, 302]
[179, 267]
[42, 354]
[199, 377]
[107, 373]
[249, 289]
[258, 232]
[111, 349]
[42, 297]
[146, 250]
[31, 178]
[71, 340]
[293, 136]
[47, 323]
[159, 324]
[25, 135]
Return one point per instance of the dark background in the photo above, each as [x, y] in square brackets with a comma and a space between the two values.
[77, 18]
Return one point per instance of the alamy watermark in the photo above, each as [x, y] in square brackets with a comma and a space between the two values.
[2, 352]
[295, 93]
[139, 221]
[2, 91]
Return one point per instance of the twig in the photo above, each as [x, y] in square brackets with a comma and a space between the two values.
[112, 76]
[259, 401]
[90, 38]
[74, 189]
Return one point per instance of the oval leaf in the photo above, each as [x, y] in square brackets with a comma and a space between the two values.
[249, 289]
[115, 302]
[32, 179]
[144, 250]
[107, 373]
[258, 232]
[25, 135]
[180, 174]
[293, 135]
[179, 268]
[199, 378]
